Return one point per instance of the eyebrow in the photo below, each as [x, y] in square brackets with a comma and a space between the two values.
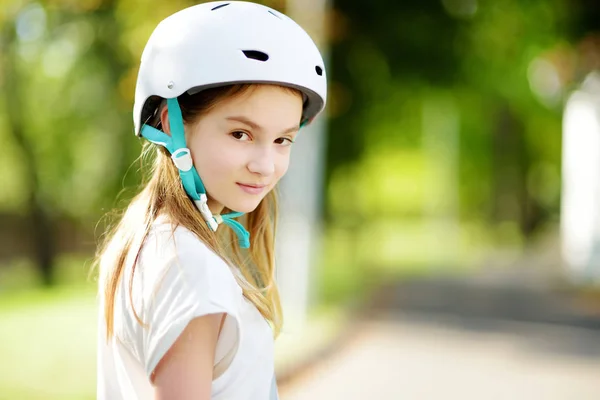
[257, 127]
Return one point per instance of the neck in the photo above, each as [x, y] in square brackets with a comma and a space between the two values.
[214, 206]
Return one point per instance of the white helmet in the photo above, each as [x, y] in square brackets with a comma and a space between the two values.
[217, 44]
[220, 43]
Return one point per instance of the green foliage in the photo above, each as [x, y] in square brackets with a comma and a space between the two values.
[396, 57]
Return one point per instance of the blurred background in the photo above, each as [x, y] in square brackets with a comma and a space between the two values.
[440, 229]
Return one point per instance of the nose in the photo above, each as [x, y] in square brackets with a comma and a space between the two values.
[262, 161]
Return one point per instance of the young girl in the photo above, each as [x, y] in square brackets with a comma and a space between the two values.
[188, 309]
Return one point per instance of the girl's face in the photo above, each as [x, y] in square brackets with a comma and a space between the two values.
[241, 147]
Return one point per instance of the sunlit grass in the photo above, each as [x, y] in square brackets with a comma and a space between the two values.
[47, 344]
[47, 336]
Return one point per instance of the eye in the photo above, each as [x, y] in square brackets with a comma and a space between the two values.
[284, 141]
[241, 136]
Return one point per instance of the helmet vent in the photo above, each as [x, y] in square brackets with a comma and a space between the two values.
[256, 55]
[219, 6]
[319, 70]
[272, 13]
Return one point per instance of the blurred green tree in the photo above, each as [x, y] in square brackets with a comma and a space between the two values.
[505, 67]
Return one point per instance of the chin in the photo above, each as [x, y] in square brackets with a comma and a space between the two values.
[244, 206]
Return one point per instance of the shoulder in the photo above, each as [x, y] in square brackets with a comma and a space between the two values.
[167, 240]
[180, 279]
[174, 255]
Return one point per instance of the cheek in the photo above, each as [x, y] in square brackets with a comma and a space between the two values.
[212, 158]
[282, 164]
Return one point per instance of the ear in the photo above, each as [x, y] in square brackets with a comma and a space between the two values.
[164, 120]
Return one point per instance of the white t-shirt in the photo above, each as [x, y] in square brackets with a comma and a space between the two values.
[178, 278]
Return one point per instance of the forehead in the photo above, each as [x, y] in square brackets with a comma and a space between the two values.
[263, 101]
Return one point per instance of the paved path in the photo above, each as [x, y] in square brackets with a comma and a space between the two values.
[444, 356]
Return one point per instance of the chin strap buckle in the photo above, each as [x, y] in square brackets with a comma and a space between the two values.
[202, 206]
[182, 158]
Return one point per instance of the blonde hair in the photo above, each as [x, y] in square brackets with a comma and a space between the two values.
[164, 195]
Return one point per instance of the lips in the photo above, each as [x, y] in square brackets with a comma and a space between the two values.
[252, 185]
[251, 188]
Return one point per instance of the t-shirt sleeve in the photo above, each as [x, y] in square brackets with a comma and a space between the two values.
[183, 280]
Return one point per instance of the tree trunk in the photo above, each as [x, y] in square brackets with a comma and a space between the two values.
[39, 217]
[511, 200]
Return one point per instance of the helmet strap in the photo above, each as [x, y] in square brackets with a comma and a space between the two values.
[190, 179]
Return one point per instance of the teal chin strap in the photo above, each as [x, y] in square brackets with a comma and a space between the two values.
[240, 231]
[190, 179]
